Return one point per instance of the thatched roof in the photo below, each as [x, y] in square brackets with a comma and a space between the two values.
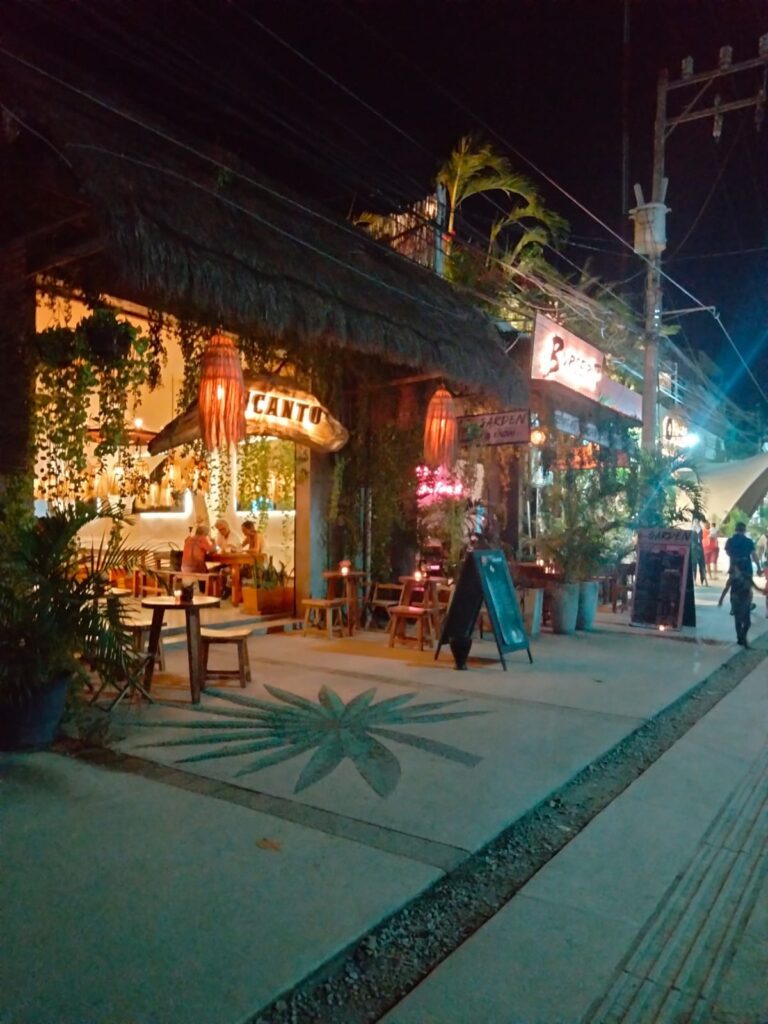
[181, 234]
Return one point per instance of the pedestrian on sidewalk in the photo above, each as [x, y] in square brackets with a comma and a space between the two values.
[711, 548]
[740, 548]
[741, 602]
[697, 554]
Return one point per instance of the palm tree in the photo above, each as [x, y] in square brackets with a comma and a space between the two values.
[476, 168]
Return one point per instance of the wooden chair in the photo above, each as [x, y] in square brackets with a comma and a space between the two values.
[324, 613]
[401, 615]
[236, 636]
[382, 597]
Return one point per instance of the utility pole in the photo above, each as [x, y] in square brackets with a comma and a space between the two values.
[650, 218]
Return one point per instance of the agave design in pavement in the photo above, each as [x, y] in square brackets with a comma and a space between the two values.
[334, 730]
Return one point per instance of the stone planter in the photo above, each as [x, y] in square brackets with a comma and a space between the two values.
[564, 606]
[589, 593]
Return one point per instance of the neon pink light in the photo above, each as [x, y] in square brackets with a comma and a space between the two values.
[435, 485]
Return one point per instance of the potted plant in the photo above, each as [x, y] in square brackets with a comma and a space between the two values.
[584, 513]
[55, 620]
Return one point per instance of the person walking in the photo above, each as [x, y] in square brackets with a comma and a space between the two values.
[697, 554]
[741, 601]
[741, 549]
[711, 548]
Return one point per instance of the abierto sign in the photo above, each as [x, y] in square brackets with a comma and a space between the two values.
[512, 426]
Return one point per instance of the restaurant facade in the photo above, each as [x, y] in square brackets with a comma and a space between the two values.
[132, 222]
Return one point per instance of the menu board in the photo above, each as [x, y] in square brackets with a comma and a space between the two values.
[663, 590]
[485, 578]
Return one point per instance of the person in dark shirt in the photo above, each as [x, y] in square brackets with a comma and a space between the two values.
[741, 601]
[741, 549]
[697, 554]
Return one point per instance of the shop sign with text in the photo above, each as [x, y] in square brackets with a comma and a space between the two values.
[273, 407]
[560, 356]
[563, 357]
[512, 426]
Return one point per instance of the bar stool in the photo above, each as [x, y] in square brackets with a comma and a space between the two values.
[324, 613]
[235, 635]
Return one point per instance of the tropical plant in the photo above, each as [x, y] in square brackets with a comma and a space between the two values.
[476, 168]
[584, 516]
[54, 615]
[662, 490]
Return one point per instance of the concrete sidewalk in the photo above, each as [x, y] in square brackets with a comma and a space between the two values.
[178, 891]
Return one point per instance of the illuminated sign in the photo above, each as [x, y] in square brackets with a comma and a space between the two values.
[561, 356]
[273, 408]
[509, 427]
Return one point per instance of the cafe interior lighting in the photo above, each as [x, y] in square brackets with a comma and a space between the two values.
[538, 437]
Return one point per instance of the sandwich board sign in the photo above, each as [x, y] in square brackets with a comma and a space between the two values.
[485, 579]
[663, 591]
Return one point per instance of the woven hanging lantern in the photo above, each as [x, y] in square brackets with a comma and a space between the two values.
[440, 431]
[221, 404]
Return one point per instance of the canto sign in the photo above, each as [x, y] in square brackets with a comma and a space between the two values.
[272, 407]
[563, 357]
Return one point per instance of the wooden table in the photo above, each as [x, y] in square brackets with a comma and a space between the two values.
[346, 585]
[235, 560]
[191, 609]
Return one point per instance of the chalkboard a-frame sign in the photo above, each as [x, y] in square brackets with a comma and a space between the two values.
[485, 578]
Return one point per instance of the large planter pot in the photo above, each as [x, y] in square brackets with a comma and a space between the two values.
[564, 606]
[589, 593]
[32, 724]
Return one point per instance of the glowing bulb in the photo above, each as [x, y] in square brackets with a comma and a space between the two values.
[538, 437]
[220, 392]
[138, 423]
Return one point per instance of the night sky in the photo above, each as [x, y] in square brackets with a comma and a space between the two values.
[356, 103]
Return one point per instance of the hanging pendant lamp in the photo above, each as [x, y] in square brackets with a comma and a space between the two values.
[221, 404]
[440, 431]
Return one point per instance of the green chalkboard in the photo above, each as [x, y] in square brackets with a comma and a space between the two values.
[485, 578]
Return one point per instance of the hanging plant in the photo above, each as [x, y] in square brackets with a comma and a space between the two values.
[266, 476]
[82, 374]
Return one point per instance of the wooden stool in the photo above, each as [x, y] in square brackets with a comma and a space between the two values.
[402, 614]
[140, 642]
[236, 635]
[323, 612]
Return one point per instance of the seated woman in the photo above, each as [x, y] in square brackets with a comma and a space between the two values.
[253, 541]
[196, 547]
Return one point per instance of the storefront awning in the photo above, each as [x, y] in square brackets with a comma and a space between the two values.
[740, 484]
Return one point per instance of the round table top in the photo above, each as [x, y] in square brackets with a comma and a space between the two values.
[199, 601]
